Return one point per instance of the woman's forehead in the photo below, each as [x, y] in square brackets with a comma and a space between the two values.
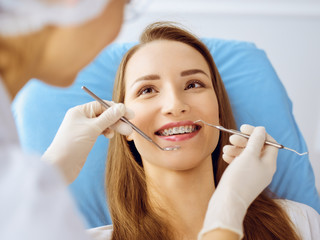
[162, 55]
[165, 48]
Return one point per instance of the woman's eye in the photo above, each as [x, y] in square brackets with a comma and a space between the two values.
[146, 90]
[194, 84]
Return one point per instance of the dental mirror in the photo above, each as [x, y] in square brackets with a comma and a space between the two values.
[124, 119]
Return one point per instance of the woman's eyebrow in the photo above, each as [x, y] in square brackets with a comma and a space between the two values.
[157, 77]
[146, 78]
[191, 72]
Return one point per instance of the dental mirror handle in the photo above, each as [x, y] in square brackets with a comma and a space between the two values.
[124, 119]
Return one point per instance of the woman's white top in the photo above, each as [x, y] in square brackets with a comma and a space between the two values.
[305, 219]
[34, 201]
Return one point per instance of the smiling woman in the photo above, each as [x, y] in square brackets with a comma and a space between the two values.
[170, 80]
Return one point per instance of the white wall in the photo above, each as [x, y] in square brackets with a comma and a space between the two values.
[288, 31]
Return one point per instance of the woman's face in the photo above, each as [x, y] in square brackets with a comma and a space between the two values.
[168, 86]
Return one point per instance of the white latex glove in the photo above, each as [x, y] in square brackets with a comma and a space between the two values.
[79, 131]
[244, 179]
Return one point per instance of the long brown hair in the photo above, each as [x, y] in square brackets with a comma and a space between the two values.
[130, 208]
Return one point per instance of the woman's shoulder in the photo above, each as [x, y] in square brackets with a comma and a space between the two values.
[305, 218]
[101, 233]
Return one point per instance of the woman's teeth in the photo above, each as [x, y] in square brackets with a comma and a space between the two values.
[178, 130]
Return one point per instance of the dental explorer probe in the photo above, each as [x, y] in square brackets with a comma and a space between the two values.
[277, 145]
[124, 119]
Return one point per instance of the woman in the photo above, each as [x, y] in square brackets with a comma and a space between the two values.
[170, 80]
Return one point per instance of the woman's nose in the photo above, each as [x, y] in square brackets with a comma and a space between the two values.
[174, 104]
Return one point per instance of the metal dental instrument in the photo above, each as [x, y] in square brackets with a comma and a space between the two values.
[124, 119]
[277, 145]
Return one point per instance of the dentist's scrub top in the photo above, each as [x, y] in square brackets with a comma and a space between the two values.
[305, 219]
[34, 201]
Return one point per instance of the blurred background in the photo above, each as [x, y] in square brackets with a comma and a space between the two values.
[287, 30]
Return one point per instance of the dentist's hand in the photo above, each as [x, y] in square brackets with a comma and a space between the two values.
[252, 166]
[79, 131]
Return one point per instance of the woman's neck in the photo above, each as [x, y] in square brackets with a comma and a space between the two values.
[184, 195]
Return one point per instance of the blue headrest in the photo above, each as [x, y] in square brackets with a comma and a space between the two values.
[257, 97]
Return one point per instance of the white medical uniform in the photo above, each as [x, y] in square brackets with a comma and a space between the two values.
[34, 201]
[305, 219]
